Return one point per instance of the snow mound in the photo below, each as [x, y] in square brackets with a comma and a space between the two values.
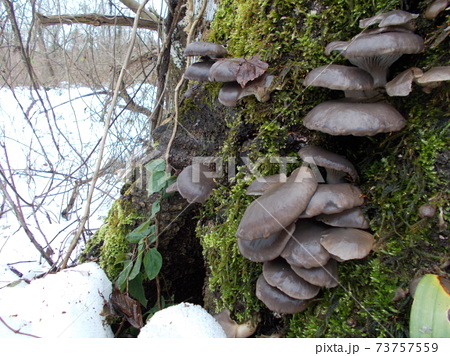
[183, 320]
[66, 304]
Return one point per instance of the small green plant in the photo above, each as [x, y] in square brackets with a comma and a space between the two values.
[145, 261]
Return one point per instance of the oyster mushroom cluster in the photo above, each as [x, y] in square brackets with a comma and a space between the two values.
[371, 52]
[241, 76]
[299, 228]
[363, 112]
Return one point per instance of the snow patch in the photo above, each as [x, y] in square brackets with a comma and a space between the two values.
[66, 305]
[183, 320]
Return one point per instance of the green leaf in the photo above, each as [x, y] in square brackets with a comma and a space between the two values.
[152, 235]
[123, 276]
[152, 263]
[136, 289]
[157, 165]
[156, 207]
[140, 232]
[431, 307]
[157, 181]
[137, 267]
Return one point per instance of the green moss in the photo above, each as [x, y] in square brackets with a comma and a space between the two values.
[231, 276]
[399, 172]
[110, 240]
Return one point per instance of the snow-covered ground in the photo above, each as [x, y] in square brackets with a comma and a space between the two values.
[45, 155]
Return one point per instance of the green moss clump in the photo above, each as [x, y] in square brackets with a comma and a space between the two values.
[109, 241]
[231, 276]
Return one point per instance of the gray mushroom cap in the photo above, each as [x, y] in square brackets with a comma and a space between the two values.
[194, 184]
[323, 276]
[279, 207]
[401, 85]
[231, 92]
[304, 248]
[276, 300]
[435, 8]
[434, 77]
[342, 117]
[337, 166]
[339, 77]
[278, 273]
[198, 71]
[225, 70]
[345, 244]
[262, 184]
[376, 52]
[390, 18]
[333, 199]
[205, 49]
[267, 249]
[353, 217]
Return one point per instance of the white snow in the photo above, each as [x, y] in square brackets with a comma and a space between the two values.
[183, 320]
[62, 305]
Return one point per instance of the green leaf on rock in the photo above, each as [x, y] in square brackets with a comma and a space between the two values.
[152, 263]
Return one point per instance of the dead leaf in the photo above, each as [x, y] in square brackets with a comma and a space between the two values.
[250, 69]
[127, 307]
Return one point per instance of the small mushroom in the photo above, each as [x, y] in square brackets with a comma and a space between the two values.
[353, 217]
[323, 276]
[278, 207]
[427, 210]
[433, 78]
[205, 49]
[333, 199]
[198, 71]
[401, 85]
[390, 18]
[267, 249]
[225, 70]
[231, 92]
[337, 167]
[435, 8]
[304, 248]
[339, 77]
[232, 328]
[261, 184]
[375, 52]
[278, 273]
[345, 244]
[276, 300]
[344, 117]
[194, 185]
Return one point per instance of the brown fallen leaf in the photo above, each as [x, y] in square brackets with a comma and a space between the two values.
[127, 307]
[250, 69]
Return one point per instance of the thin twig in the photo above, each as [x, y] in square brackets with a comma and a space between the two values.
[17, 331]
[85, 216]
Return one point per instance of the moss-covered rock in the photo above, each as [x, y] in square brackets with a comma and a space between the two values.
[399, 172]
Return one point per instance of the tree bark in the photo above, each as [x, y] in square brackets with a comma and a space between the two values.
[96, 20]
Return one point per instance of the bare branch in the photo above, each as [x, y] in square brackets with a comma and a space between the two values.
[95, 20]
[85, 216]
[145, 14]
